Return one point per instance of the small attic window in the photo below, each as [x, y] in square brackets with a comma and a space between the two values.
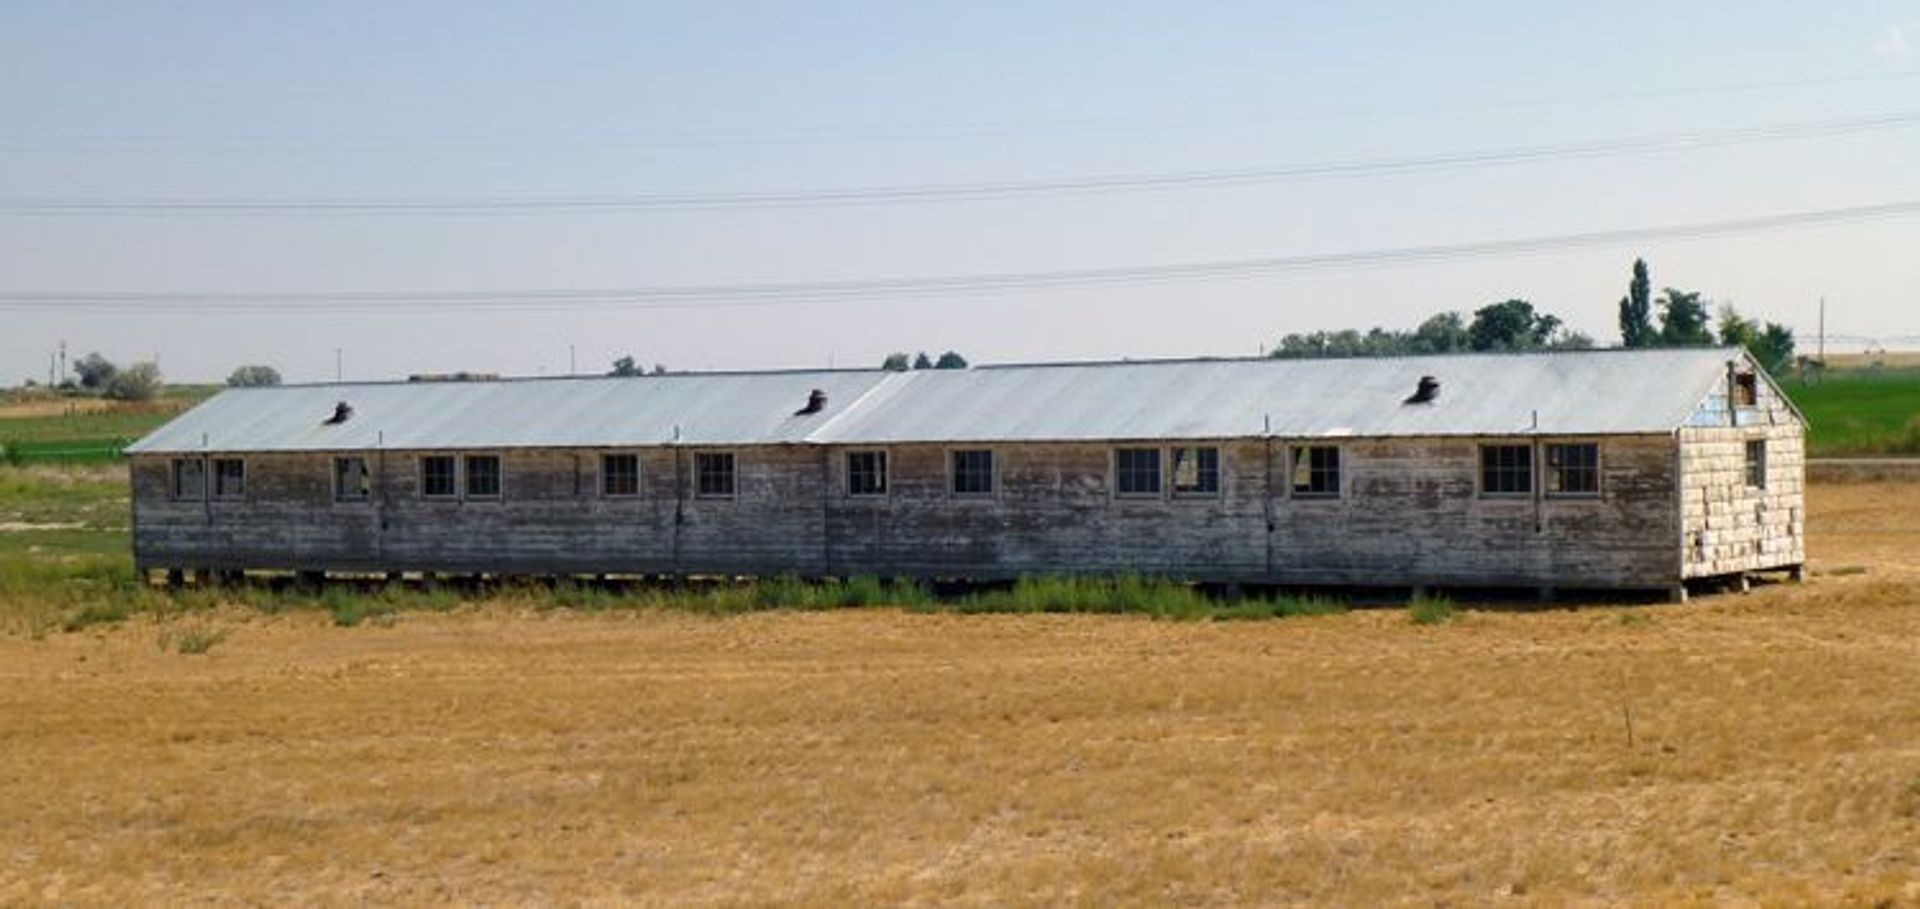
[1746, 390]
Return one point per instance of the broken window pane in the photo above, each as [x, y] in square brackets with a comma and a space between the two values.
[189, 478]
[1757, 463]
[352, 481]
[1196, 471]
[1573, 469]
[867, 473]
[229, 478]
[1316, 471]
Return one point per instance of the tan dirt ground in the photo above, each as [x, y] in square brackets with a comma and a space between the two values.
[502, 757]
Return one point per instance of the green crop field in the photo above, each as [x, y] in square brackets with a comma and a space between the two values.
[84, 430]
[1861, 412]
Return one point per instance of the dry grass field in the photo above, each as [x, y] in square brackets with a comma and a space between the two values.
[1750, 749]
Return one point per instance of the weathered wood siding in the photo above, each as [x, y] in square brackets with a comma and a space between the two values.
[1728, 525]
[1412, 511]
[1409, 512]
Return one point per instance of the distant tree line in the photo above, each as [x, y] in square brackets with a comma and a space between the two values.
[898, 361]
[628, 366]
[254, 376]
[98, 375]
[1684, 320]
[1507, 325]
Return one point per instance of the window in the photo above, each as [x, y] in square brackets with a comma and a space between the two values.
[1316, 471]
[189, 478]
[1757, 463]
[483, 476]
[1136, 471]
[1746, 390]
[1506, 470]
[1573, 469]
[713, 474]
[1196, 471]
[437, 477]
[866, 473]
[973, 472]
[619, 474]
[229, 478]
[352, 482]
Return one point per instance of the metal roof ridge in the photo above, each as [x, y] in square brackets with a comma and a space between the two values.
[892, 378]
[515, 380]
[1369, 358]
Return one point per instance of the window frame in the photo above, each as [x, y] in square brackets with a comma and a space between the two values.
[1338, 471]
[467, 460]
[175, 490]
[1173, 472]
[607, 475]
[881, 471]
[1754, 464]
[340, 496]
[954, 473]
[1530, 478]
[453, 477]
[217, 489]
[732, 475]
[1157, 474]
[1549, 471]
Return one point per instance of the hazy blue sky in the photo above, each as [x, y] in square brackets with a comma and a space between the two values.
[381, 101]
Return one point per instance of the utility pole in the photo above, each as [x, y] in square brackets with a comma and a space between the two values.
[337, 371]
[63, 361]
[1823, 331]
[573, 364]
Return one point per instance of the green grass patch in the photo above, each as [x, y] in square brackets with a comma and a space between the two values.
[1431, 610]
[104, 612]
[79, 431]
[126, 421]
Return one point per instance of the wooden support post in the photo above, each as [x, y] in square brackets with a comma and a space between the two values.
[1677, 593]
[1746, 583]
[176, 578]
[1797, 573]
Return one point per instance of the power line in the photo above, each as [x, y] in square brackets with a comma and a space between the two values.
[909, 288]
[954, 192]
[720, 138]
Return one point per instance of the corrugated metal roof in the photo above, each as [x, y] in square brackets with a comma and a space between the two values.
[1567, 393]
[705, 409]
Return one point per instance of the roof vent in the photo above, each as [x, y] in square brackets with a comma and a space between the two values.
[1428, 389]
[816, 402]
[341, 412]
